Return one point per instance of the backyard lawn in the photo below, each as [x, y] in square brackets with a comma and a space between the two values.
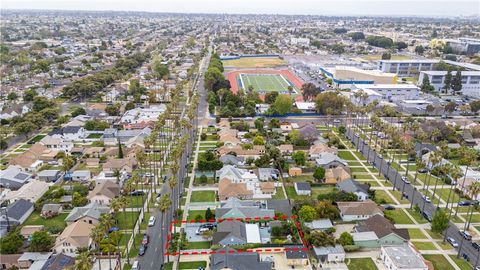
[279, 195]
[361, 264]
[36, 219]
[193, 265]
[439, 261]
[193, 213]
[203, 196]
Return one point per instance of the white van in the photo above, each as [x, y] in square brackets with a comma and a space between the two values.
[135, 265]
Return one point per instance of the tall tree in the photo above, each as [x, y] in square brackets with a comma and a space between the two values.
[426, 87]
[448, 81]
[456, 84]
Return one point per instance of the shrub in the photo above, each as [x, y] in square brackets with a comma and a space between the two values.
[351, 248]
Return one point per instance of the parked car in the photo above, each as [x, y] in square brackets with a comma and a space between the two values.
[205, 227]
[151, 221]
[389, 207]
[137, 193]
[426, 198]
[113, 229]
[465, 235]
[476, 245]
[464, 203]
[427, 216]
[146, 239]
[452, 242]
[142, 250]
[424, 170]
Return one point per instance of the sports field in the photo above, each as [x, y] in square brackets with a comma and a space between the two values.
[264, 82]
[254, 62]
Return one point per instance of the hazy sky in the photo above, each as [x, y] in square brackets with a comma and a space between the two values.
[310, 7]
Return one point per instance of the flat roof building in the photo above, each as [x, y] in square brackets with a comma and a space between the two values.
[346, 77]
[406, 68]
[402, 257]
[470, 81]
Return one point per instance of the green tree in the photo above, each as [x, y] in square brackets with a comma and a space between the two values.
[319, 239]
[258, 140]
[120, 150]
[84, 261]
[12, 96]
[40, 103]
[419, 49]
[282, 105]
[426, 86]
[113, 109]
[41, 241]
[330, 102]
[29, 94]
[259, 123]
[325, 209]
[130, 106]
[307, 213]
[345, 239]
[12, 242]
[300, 158]
[386, 56]
[24, 128]
[319, 173]
[78, 111]
[440, 221]
[309, 91]
[456, 84]
[475, 106]
[270, 97]
[448, 81]
[209, 214]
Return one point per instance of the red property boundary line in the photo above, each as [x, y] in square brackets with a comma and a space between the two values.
[232, 77]
[266, 218]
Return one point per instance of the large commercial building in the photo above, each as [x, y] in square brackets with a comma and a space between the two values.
[406, 68]
[465, 45]
[346, 77]
[470, 81]
[389, 92]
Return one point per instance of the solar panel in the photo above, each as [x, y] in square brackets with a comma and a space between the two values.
[21, 176]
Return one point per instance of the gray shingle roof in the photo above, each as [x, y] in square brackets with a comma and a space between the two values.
[303, 186]
[92, 210]
[237, 261]
[17, 209]
[352, 186]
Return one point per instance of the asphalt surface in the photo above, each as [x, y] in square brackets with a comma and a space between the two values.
[154, 256]
[465, 247]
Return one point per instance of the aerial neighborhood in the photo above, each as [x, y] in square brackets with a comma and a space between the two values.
[144, 140]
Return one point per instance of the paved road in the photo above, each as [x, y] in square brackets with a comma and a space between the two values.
[413, 194]
[154, 256]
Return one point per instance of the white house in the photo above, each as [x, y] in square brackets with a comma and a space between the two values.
[303, 188]
[330, 254]
[81, 175]
[69, 133]
[402, 258]
[57, 144]
[237, 175]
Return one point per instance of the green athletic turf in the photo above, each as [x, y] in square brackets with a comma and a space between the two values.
[265, 82]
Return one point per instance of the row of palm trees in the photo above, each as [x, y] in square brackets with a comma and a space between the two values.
[391, 138]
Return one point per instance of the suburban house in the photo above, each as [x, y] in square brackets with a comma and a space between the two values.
[31, 158]
[15, 214]
[329, 254]
[235, 208]
[59, 261]
[33, 260]
[89, 213]
[237, 175]
[329, 161]
[319, 225]
[232, 160]
[237, 233]
[57, 144]
[336, 175]
[309, 132]
[51, 210]
[32, 191]
[268, 174]
[385, 231]
[365, 239]
[255, 152]
[14, 178]
[122, 165]
[352, 186]
[227, 189]
[279, 206]
[286, 149]
[402, 257]
[316, 150]
[229, 139]
[104, 193]
[227, 258]
[294, 171]
[69, 133]
[296, 256]
[73, 237]
[351, 211]
[81, 175]
[427, 160]
[49, 175]
[423, 148]
[303, 188]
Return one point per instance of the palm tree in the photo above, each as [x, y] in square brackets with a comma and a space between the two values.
[163, 205]
[468, 158]
[106, 222]
[84, 261]
[474, 190]
[455, 174]
[97, 234]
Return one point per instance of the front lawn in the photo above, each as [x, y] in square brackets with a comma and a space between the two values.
[361, 264]
[203, 196]
[398, 216]
[464, 265]
[416, 234]
[193, 213]
[417, 216]
[439, 261]
[346, 154]
[424, 245]
[382, 197]
[126, 220]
